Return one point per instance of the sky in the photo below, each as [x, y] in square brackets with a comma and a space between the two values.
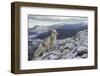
[44, 20]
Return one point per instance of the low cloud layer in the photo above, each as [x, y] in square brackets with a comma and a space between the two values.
[49, 20]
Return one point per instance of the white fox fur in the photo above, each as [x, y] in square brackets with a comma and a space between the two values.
[47, 44]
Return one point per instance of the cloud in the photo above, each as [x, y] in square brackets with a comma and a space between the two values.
[55, 18]
[51, 20]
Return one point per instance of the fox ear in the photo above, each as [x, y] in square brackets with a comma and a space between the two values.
[44, 45]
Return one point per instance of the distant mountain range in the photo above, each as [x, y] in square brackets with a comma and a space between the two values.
[64, 30]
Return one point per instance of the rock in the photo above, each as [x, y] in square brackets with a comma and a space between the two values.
[84, 56]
